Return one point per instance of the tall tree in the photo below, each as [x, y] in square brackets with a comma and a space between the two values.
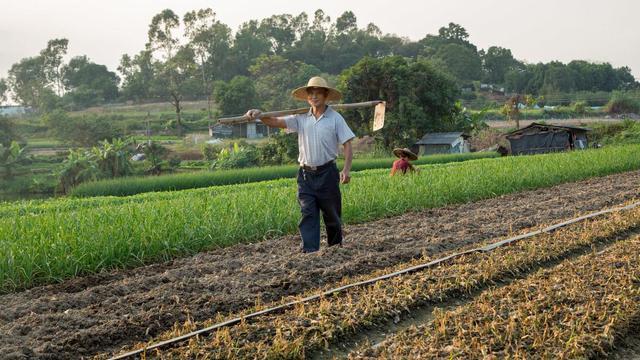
[210, 41]
[497, 62]
[88, 83]
[275, 77]
[4, 90]
[460, 61]
[138, 75]
[236, 96]
[249, 42]
[281, 31]
[176, 66]
[451, 34]
[53, 65]
[27, 81]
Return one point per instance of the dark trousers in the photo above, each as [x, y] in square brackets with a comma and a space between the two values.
[319, 191]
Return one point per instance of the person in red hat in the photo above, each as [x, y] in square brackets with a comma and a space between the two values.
[402, 165]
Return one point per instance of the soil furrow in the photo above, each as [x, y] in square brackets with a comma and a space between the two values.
[99, 313]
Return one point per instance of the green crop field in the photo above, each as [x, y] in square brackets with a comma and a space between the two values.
[136, 185]
[52, 240]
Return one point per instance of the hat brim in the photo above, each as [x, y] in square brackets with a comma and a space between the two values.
[409, 154]
[301, 93]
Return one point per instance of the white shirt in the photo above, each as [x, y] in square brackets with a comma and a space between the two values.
[318, 140]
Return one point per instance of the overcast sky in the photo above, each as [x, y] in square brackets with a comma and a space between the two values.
[542, 30]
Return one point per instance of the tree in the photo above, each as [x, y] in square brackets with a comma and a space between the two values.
[210, 41]
[558, 78]
[235, 96]
[154, 155]
[88, 83]
[419, 97]
[401, 46]
[27, 81]
[52, 63]
[176, 68]
[3, 91]
[497, 62]
[451, 34]
[346, 23]
[275, 77]
[249, 42]
[281, 31]
[138, 76]
[460, 61]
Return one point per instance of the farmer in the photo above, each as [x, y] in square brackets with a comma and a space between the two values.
[320, 132]
[402, 164]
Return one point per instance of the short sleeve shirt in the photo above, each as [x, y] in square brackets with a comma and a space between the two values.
[318, 140]
[400, 165]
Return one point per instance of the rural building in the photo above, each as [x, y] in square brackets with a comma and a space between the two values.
[14, 110]
[245, 130]
[443, 143]
[542, 138]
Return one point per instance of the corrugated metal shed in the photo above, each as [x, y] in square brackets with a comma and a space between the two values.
[542, 138]
[442, 138]
[443, 143]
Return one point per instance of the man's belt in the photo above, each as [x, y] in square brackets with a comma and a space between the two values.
[317, 168]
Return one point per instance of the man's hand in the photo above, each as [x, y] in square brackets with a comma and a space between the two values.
[344, 177]
[253, 114]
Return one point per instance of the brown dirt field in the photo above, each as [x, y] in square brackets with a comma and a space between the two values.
[85, 316]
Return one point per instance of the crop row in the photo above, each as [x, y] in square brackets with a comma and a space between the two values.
[51, 246]
[576, 310]
[137, 185]
[310, 327]
[34, 207]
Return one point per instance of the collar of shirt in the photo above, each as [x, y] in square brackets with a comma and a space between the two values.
[326, 112]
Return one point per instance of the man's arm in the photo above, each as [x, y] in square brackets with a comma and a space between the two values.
[269, 121]
[345, 176]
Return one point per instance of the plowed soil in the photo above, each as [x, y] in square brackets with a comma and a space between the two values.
[89, 315]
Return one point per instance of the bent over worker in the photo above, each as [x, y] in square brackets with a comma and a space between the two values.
[320, 132]
[402, 165]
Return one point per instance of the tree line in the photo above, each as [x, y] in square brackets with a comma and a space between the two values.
[195, 56]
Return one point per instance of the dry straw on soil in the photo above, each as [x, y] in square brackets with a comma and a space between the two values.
[309, 327]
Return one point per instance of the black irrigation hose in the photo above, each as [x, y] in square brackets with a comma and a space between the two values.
[415, 268]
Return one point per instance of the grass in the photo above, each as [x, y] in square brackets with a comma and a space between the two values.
[137, 185]
[55, 244]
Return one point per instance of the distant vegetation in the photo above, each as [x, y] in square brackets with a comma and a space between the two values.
[194, 68]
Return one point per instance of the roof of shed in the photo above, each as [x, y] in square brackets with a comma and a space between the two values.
[442, 138]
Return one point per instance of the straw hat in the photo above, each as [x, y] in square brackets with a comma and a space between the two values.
[408, 153]
[318, 82]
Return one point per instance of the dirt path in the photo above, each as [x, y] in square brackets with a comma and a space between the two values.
[88, 315]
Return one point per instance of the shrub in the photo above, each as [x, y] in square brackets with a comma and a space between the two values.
[238, 157]
[623, 103]
[580, 107]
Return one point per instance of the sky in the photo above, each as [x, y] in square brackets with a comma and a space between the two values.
[535, 31]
